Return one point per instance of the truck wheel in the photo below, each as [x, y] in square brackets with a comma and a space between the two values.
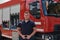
[47, 37]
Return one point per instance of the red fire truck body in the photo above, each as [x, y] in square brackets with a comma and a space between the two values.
[38, 13]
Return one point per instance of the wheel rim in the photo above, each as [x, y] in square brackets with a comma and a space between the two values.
[48, 37]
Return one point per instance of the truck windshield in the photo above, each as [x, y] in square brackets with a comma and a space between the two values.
[35, 9]
[53, 9]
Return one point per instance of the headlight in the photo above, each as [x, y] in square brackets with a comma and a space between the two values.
[38, 23]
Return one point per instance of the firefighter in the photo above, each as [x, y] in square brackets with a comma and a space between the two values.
[26, 29]
[48, 2]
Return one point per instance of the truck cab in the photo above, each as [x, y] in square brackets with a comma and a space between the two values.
[46, 17]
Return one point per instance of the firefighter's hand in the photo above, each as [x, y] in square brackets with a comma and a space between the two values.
[28, 37]
[23, 36]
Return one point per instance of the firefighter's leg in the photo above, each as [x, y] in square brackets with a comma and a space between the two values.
[20, 38]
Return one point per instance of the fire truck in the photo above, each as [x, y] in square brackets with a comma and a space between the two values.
[45, 14]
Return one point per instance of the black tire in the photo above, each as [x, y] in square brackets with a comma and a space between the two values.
[57, 37]
[48, 37]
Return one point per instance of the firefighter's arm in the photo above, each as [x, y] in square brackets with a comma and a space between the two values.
[32, 34]
[34, 31]
[47, 5]
[19, 32]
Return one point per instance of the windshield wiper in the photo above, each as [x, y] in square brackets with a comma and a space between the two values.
[51, 14]
[57, 15]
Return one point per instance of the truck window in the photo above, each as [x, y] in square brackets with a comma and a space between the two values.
[5, 17]
[35, 9]
[5, 24]
[54, 9]
[14, 16]
[10, 16]
[14, 20]
[0, 16]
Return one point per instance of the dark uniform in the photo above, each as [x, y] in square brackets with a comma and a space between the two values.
[26, 28]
